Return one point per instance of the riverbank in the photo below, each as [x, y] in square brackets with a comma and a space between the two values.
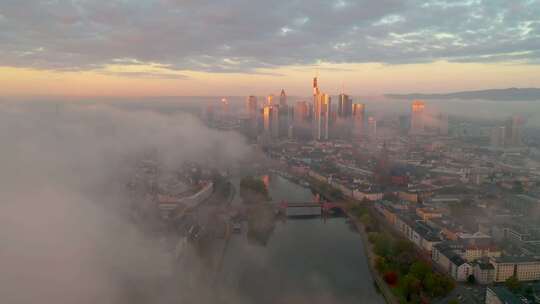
[370, 254]
[368, 248]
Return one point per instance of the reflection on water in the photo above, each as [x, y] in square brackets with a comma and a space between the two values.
[298, 261]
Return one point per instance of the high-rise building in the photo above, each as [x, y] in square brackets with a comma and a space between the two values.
[404, 124]
[344, 106]
[359, 114]
[498, 136]
[417, 117]
[283, 99]
[327, 108]
[514, 126]
[301, 120]
[322, 116]
[315, 110]
[270, 100]
[251, 124]
[271, 121]
[252, 107]
[301, 113]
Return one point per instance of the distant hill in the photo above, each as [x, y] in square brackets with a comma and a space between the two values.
[511, 94]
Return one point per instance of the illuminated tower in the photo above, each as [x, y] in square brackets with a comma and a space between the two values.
[359, 114]
[322, 116]
[417, 117]
[326, 108]
[271, 121]
[270, 100]
[316, 119]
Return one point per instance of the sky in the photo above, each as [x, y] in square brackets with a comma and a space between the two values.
[242, 47]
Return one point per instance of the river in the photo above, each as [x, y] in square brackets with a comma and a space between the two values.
[308, 260]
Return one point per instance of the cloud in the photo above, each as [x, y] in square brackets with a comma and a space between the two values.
[243, 36]
[150, 75]
[67, 232]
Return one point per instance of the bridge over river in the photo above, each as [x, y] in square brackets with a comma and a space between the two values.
[308, 208]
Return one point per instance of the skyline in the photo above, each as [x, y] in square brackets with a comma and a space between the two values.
[188, 48]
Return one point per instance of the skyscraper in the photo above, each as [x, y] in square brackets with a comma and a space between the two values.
[301, 120]
[271, 121]
[322, 116]
[514, 127]
[252, 107]
[344, 106]
[301, 113]
[498, 136]
[270, 100]
[283, 99]
[327, 107]
[443, 124]
[417, 117]
[358, 113]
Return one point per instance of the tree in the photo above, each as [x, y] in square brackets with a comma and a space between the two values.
[517, 187]
[420, 270]
[383, 244]
[391, 278]
[366, 219]
[513, 283]
[253, 190]
[381, 264]
[403, 246]
[411, 287]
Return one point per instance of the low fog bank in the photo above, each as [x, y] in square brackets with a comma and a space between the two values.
[64, 230]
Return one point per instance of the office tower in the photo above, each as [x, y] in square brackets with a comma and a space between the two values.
[271, 121]
[283, 99]
[301, 120]
[322, 116]
[252, 121]
[514, 127]
[404, 124]
[344, 106]
[252, 107]
[443, 124]
[358, 113]
[498, 136]
[372, 127]
[327, 107]
[315, 110]
[270, 100]
[417, 117]
[301, 110]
